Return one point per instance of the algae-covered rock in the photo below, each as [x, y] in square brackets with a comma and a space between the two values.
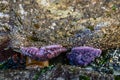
[55, 73]
[72, 73]
[45, 22]
[71, 23]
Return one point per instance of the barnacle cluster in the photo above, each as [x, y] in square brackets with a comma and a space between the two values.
[29, 22]
[70, 23]
[110, 38]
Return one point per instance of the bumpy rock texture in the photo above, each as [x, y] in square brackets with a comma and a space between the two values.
[56, 73]
[69, 23]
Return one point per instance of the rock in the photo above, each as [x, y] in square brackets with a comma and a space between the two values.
[71, 23]
[74, 73]
[57, 72]
[29, 22]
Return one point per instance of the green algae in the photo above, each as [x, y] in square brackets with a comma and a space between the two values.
[84, 77]
[33, 38]
[117, 77]
[91, 28]
[114, 7]
[42, 71]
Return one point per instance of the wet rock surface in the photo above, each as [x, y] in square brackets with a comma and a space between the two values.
[71, 23]
[56, 73]
[17, 74]
[27, 23]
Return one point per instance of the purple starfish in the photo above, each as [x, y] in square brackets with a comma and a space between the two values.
[83, 55]
[43, 53]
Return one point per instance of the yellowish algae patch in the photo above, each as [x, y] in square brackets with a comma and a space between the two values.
[59, 9]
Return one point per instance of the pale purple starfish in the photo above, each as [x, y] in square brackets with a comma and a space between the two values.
[43, 53]
[83, 55]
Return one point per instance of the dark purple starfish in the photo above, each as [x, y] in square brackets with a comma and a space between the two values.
[43, 53]
[83, 55]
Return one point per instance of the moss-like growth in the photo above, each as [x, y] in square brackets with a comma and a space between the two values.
[84, 77]
[32, 38]
[117, 77]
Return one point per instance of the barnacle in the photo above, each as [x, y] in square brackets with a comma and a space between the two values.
[110, 39]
